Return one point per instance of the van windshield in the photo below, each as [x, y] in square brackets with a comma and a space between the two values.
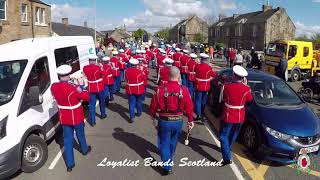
[276, 49]
[10, 75]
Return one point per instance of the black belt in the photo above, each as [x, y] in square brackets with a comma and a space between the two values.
[171, 118]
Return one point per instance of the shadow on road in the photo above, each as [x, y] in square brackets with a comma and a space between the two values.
[141, 146]
[119, 109]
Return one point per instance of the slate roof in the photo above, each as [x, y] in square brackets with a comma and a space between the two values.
[252, 17]
[73, 30]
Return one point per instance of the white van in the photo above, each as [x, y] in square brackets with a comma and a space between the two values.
[27, 108]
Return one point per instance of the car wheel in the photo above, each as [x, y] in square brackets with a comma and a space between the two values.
[251, 138]
[308, 94]
[295, 75]
[34, 154]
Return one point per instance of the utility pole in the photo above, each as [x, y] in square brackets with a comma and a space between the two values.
[95, 22]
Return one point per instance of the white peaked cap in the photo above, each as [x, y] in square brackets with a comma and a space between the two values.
[134, 61]
[143, 51]
[240, 71]
[193, 55]
[64, 70]
[121, 50]
[168, 61]
[178, 49]
[185, 51]
[106, 58]
[115, 52]
[138, 51]
[204, 56]
[93, 56]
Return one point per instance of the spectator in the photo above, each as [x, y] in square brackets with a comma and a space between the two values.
[255, 62]
[232, 56]
[239, 59]
[211, 52]
[282, 70]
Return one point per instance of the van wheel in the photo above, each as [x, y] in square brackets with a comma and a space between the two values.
[34, 154]
[295, 75]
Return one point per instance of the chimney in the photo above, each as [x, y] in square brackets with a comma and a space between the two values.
[221, 16]
[65, 21]
[235, 16]
[266, 8]
[85, 24]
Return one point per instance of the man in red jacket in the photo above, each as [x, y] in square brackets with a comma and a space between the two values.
[235, 96]
[232, 56]
[115, 62]
[191, 76]
[160, 58]
[164, 72]
[108, 79]
[150, 55]
[95, 75]
[176, 57]
[123, 58]
[135, 88]
[184, 68]
[68, 97]
[171, 100]
[204, 75]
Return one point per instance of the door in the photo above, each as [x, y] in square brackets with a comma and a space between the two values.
[29, 115]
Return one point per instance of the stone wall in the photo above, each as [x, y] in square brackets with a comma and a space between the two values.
[14, 29]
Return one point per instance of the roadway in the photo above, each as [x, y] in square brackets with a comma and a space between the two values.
[116, 139]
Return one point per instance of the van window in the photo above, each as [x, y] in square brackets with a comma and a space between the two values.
[39, 76]
[68, 55]
[305, 51]
[292, 51]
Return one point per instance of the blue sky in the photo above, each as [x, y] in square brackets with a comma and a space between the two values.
[156, 14]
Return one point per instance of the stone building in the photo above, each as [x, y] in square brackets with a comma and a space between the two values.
[117, 34]
[187, 29]
[20, 19]
[254, 29]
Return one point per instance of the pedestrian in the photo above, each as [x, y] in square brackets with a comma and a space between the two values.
[282, 70]
[232, 56]
[176, 57]
[108, 79]
[227, 56]
[115, 62]
[211, 52]
[171, 100]
[235, 96]
[134, 88]
[238, 59]
[191, 76]
[95, 75]
[184, 68]
[204, 75]
[71, 116]
[255, 62]
[165, 71]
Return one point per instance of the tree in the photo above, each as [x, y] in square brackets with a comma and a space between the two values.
[163, 34]
[303, 37]
[198, 38]
[316, 38]
[138, 34]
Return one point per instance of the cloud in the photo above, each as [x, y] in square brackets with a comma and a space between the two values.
[307, 30]
[316, 1]
[76, 15]
[166, 13]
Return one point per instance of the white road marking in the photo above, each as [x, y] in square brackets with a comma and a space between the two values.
[233, 166]
[58, 156]
[56, 159]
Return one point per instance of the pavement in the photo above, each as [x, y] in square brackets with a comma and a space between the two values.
[115, 139]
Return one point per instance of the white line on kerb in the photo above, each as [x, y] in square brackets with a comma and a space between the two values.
[233, 166]
[56, 159]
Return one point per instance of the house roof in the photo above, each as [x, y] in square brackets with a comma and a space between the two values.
[120, 34]
[73, 30]
[40, 2]
[252, 17]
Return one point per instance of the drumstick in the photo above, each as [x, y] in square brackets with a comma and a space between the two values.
[186, 142]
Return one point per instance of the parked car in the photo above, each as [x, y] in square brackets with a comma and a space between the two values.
[27, 108]
[279, 123]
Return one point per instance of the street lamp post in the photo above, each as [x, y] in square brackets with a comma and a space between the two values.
[95, 22]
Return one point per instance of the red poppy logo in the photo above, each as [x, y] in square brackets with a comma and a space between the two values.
[304, 162]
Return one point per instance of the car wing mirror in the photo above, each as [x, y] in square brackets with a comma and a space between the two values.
[35, 98]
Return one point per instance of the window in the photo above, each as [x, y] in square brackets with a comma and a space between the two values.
[68, 56]
[3, 9]
[40, 16]
[305, 51]
[228, 32]
[292, 51]
[39, 76]
[24, 13]
[238, 30]
[217, 31]
[254, 30]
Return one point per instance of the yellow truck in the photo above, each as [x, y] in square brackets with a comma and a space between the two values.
[303, 58]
